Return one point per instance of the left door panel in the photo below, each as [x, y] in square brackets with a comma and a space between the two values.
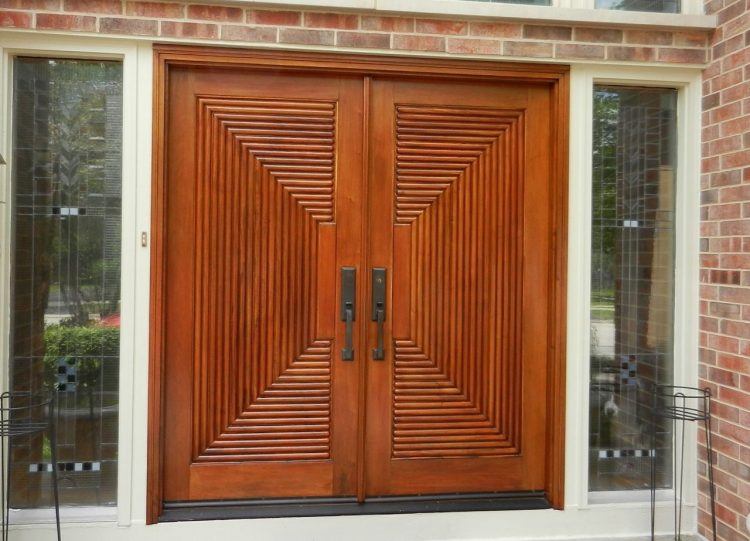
[259, 402]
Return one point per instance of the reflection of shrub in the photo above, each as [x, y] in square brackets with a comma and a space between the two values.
[88, 341]
[84, 345]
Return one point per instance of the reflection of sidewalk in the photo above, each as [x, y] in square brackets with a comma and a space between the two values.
[603, 337]
[85, 413]
[54, 319]
[108, 321]
[57, 309]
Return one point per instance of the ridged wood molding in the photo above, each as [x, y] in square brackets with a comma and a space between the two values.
[457, 382]
[265, 185]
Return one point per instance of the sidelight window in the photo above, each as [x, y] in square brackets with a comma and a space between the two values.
[632, 284]
[65, 312]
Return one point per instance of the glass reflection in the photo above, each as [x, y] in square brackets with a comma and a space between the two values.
[632, 283]
[654, 6]
[67, 138]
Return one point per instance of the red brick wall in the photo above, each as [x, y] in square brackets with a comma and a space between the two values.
[725, 264]
[231, 24]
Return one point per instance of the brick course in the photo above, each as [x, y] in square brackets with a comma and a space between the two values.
[230, 23]
[725, 258]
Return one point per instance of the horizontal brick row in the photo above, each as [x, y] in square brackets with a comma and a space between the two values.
[725, 267]
[354, 31]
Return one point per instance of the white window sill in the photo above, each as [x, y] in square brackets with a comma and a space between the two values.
[514, 12]
[31, 517]
[619, 497]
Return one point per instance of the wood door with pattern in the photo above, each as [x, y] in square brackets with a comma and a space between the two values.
[263, 191]
[459, 192]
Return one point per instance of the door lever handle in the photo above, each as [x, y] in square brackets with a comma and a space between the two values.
[378, 352]
[378, 310]
[348, 299]
[347, 353]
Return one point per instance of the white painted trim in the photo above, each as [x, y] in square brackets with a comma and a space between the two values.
[126, 52]
[687, 276]
[615, 523]
[583, 518]
[627, 496]
[143, 270]
[579, 264]
[85, 515]
[688, 83]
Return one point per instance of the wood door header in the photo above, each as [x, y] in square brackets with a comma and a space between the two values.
[225, 57]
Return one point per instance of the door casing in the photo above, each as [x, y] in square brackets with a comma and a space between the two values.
[556, 76]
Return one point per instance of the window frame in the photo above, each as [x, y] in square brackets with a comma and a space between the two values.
[687, 233]
[132, 331]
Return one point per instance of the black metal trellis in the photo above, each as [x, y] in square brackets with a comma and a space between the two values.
[682, 405]
[25, 414]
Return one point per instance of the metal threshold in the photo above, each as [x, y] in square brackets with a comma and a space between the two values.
[311, 507]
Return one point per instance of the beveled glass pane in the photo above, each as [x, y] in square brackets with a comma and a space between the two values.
[632, 283]
[66, 179]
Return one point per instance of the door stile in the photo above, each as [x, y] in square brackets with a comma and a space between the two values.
[555, 460]
[366, 292]
[350, 202]
[380, 254]
[178, 389]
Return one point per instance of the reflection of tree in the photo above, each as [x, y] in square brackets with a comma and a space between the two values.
[70, 123]
[85, 347]
[80, 157]
[658, 6]
[77, 133]
[606, 116]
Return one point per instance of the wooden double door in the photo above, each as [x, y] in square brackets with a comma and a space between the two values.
[311, 217]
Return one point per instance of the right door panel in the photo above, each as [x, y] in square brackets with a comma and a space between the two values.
[460, 214]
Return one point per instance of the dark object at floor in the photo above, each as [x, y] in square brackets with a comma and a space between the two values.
[682, 405]
[25, 414]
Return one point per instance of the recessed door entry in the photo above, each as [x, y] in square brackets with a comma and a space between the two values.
[358, 285]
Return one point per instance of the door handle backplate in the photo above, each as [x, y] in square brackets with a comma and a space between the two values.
[378, 310]
[348, 308]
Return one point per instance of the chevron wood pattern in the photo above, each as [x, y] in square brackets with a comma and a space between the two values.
[265, 188]
[455, 186]
[457, 377]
